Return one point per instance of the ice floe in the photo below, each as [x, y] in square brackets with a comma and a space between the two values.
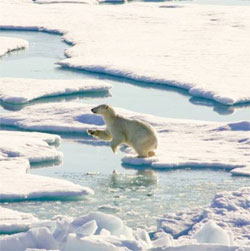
[20, 91]
[12, 221]
[29, 186]
[17, 151]
[9, 44]
[205, 53]
[182, 143]
[36, 147]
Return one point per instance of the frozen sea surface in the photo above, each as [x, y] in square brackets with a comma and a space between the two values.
[47, 49]
[127, 184]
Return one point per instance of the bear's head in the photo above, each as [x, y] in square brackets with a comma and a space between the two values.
[103, 110]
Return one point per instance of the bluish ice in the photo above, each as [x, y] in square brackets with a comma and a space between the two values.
[137, 196]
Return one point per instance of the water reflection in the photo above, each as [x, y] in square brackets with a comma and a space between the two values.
[142, 178]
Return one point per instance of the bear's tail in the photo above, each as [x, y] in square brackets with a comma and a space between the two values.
[151, 153]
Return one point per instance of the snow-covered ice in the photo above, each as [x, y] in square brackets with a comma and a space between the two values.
[12, 221]
[219, 228]
[30, 186]
[8, 44]
[17, 150]
[182, 143]
[36, 147]
[201, 48]
[225, 222]
[20, 91]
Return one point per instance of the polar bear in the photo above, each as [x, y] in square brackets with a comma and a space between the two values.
[134, 133]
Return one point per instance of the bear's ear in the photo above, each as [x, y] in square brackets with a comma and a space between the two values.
[106, 107]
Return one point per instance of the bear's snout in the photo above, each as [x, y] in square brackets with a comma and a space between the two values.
[93, 110]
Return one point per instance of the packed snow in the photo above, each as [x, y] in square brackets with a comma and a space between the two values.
[28, 186]
[8, 44]
[219, 227]
[36, 147]
[201, 48]
[225, 222]
[21, 91]
[182, 143]
[12, 221]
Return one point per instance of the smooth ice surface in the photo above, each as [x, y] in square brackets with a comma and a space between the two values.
[214, 67]
[12, 221]
[8, 44]
[20, 91]
[29, 186]
[181, 143]
[36, 147]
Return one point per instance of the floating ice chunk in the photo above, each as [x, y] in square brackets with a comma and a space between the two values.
[12, 221]
[33, 146]
[40, 238]
[209, 145]
[29, 186]
[9, 44]
[104, 221]
[210, 232]
[21, 91]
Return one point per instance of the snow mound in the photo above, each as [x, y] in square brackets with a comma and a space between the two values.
[37, 238]
[9, 44]
[225, 222]
[208, 145]
[212, 233]
[12, 221]
[29, 186]
[66, 236]
[21, 91]
[36, 147]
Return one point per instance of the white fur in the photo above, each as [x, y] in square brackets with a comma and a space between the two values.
[134, 133]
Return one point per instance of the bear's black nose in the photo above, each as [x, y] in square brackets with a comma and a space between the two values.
[93, 110]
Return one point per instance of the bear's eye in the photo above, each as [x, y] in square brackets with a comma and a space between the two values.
[106, 106]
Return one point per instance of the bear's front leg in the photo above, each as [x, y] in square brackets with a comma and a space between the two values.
[116, 141]
[100, 134]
